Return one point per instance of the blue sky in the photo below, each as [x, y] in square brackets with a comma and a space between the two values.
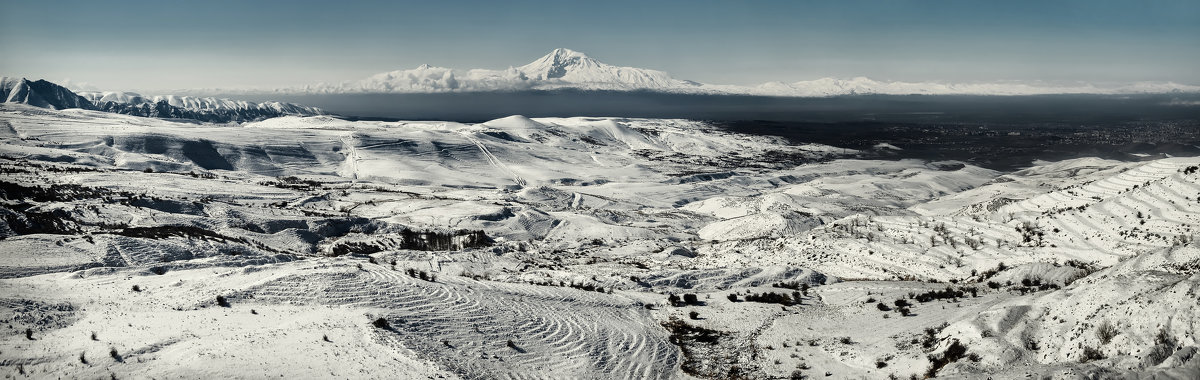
[159, 45]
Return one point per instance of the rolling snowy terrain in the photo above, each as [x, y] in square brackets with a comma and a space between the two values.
[44, 94]
[312, 246]
[569, 69]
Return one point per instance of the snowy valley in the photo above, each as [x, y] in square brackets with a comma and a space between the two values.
[312, 246]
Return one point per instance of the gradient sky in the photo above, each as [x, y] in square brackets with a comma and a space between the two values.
[162, 45]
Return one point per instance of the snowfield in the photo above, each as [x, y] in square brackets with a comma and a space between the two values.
[314, 247]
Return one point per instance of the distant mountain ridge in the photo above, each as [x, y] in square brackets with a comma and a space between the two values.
[45, 94]
[569, 69]
[40, 93]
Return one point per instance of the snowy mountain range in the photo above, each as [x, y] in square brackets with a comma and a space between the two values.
[45, 94]
[569, 69]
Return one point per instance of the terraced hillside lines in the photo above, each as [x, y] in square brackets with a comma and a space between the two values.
[1105, 188]
[554, 331]
[495, 161]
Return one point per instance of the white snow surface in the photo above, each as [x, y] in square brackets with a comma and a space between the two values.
[310, 229]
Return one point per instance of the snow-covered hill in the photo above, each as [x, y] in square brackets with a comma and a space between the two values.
[40, 94]
[573, 247]
[568, 69]
[49, 95]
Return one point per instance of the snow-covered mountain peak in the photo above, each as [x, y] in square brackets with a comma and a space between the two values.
[569, 68]
[564, 68]
[558, 63]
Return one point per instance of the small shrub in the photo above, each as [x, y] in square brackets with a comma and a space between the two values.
[694, 315]
[222, 302]
[883, 307]
[952, 354]
[1031, 344]
[113, 352]
[674, 300]
[381, 323]
[29, 334]
[880, 364]
[733, 298]
[1090, 353]
[83, 358]
[137, 288]
[1164, 347]
[930, 338]
[1106, 332]
[846, 340]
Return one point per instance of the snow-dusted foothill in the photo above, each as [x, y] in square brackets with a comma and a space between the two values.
[582, 247]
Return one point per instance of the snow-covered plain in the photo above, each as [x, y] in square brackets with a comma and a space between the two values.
[547, 248]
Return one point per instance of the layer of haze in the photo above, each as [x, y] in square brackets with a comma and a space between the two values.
[154, 45]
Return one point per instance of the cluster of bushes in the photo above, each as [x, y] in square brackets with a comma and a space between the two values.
[1027, 285]
[354, 248]
[901, 307]
[694, 341]
[205, 175]
[688, 299]
[947, 293]
[437, 241]
[574, 285]
[952, 354]
[423, 275]
[1031, 234]
[1164, 347]
[415, 240]
[793, 285]
[1090, 353]
[929, 339]
[23, 221]
[56, 192]
[992, 272]
[189, 232]
[771, 297]
[42, 168]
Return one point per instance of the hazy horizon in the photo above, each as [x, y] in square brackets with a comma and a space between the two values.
[143, 46]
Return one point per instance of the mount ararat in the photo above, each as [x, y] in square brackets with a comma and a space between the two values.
[568, 69]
